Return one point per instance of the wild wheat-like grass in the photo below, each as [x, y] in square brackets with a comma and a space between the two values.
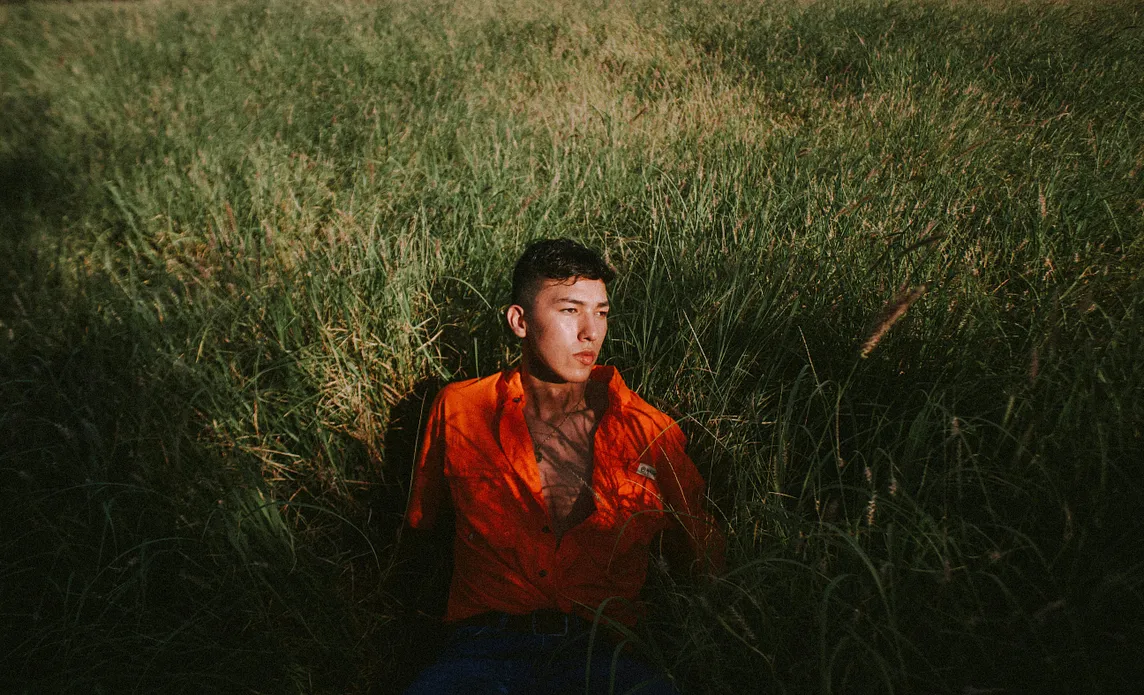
[890, 314]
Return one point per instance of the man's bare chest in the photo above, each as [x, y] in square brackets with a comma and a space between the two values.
[564, 458]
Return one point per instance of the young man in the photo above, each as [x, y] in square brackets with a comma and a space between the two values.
[560, 479]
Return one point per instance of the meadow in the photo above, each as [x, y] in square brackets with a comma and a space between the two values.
[881, 259]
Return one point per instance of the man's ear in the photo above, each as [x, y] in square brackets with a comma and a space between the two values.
[516, 322]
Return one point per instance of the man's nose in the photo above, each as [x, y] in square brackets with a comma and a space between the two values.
[592, 328]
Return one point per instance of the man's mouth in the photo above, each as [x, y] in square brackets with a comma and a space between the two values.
[586, 357]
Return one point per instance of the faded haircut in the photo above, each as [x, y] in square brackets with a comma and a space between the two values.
[555, 259]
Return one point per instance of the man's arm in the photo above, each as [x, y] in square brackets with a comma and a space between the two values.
[427, 491]
[424, 544]
[693, 542]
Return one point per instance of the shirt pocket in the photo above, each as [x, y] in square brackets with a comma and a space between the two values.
[632, 507]
[487, 507]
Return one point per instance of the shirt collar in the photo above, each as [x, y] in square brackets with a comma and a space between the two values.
[511, 390]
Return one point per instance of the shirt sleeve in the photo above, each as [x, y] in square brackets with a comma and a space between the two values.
[694, 536]
[428, 489]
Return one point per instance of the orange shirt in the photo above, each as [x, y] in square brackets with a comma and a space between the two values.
[477, 450]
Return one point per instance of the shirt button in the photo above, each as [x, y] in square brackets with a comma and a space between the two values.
[546, 530]
[543, 573]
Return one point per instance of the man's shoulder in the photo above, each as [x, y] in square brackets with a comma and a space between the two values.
[637, 404]
[649, 418]
[480, 391]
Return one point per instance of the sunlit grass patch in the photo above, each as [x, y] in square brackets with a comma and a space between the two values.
[619, 84]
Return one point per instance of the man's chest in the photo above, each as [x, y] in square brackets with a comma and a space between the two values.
[564, 455]
[509, 479]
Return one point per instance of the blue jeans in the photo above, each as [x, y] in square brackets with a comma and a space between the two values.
[491, 659]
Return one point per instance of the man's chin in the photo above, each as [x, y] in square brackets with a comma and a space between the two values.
[569, 370]
[577, 373]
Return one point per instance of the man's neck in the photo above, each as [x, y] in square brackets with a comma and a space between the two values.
[550, 400]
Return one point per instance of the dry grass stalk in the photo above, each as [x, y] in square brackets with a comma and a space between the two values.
[890, 315]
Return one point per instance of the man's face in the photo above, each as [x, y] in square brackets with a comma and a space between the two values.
[563, 328]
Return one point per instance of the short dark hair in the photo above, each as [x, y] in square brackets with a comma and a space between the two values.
[555, 259]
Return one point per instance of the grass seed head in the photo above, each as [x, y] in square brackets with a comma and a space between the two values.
[890, 315]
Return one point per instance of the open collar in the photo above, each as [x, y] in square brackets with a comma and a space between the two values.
[510, 390]
[512, 431]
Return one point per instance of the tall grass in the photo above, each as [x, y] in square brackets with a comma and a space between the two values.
[242, 242]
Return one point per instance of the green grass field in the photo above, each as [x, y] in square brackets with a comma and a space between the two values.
[881, 259]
